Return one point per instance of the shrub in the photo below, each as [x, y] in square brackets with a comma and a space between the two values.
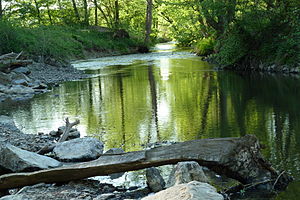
[205, 46]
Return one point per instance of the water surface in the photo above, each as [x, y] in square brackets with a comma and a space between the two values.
[171, 95]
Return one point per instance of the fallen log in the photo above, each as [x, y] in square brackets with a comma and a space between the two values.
[9, 56]
[237, 158]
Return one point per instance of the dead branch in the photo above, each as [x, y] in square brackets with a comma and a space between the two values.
[68, 127]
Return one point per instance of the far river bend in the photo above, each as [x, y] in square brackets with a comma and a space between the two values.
[171, 95]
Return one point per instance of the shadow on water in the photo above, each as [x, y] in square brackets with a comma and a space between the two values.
[177, 99]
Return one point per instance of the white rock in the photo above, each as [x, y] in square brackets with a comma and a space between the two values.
[189, 191]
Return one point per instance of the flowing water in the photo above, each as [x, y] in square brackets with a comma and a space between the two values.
[171, 95]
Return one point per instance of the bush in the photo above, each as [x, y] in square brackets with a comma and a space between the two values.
[260, 36]
[205, 47]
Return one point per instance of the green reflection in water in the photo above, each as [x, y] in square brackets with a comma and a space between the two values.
[178, 100]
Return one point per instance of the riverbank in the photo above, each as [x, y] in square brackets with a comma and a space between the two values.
[58, 44]
[255, 67]
[24, 82]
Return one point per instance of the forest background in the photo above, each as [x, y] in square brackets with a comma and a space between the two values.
[230, 32]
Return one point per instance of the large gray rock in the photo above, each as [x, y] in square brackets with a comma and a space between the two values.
[155, 181]
[80, 149]
[23, 70]
[189, 191]
[8, 123]
[115, 151]
[14, 159]
[185, 172]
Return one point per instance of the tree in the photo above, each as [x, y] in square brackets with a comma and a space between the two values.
[86, 12]
[1, 10]
[148, 20]
[96, 12]
[76, 10]
[37, 7]
[117, 14]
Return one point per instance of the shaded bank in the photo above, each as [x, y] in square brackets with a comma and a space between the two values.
[52, 44]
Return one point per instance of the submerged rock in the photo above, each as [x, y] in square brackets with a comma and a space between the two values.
[155, 181]
[189, 191]
[185, 172]
[80, 149]
[14, 159]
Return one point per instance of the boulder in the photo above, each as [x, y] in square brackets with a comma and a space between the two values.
[115, 151]
[23, 70]
[55, 134]
[73, 135]
[189, 191]
[80, 149]
[8, 123]
[61, 129]
[155, 181]
[14, 159]
[185, 172]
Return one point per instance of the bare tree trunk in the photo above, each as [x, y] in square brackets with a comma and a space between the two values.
[148, 21]
[96, 12]
[117, 15]
[38, 11]
[86, 12]
[76, 10]
[104, 15]
[49, 13]
[59, 5]
[1, 10]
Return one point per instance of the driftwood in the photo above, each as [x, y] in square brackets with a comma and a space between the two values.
[67, 130]
[11, 61]
[64, 136]
[238, 158]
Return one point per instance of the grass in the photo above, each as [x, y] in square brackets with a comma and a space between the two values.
[60, 42]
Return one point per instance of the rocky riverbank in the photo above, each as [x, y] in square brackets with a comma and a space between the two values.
[17, 147]
[24, 82]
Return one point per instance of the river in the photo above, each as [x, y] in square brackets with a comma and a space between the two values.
[171, 95]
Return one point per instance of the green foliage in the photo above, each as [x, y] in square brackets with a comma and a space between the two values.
[231, 49]
[59, 42]
[205, 46]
